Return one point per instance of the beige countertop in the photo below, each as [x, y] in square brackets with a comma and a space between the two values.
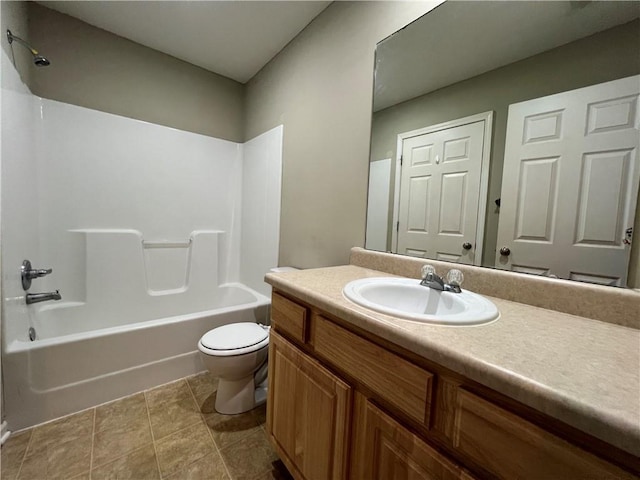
[583, 372]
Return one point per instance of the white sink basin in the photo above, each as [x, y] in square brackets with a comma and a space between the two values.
[406, 298]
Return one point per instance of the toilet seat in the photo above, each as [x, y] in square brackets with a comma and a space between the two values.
[234, 339]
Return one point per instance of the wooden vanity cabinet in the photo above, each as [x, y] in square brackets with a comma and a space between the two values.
[507, 445]
[383, 449]
[308, 413]
[345, 404]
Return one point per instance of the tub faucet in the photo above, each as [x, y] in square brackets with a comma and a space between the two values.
[432, 280]
[43, 297]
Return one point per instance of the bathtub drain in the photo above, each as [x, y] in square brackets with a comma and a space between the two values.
[32, 334]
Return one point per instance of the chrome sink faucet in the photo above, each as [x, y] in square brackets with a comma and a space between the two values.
[43, 297]
[432, 280]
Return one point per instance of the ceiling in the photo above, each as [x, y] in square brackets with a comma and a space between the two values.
[232, 38]
[462, 39]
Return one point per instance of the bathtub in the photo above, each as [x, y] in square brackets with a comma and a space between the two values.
[83, 356]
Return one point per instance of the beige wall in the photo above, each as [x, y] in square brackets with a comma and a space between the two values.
[96, 69]
[320, 87]
[599, 58]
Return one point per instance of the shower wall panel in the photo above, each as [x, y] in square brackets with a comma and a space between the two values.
[19, 204]
[261, 192]
[103, 171]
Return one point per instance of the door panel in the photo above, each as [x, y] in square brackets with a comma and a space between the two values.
[603, 190]
[537, 200]
[419, 195]
[570, 183]
[452, 203]
[439, 193]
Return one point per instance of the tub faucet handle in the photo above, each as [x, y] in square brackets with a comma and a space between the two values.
[39, 272]
[27, 273]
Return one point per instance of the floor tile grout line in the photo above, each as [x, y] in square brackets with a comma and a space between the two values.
[215, 445]
[200, 421]
[192, 463]
[181, 429]
[93, 440]
[255, 421]
[24, 455]
[172, 402]
[119, 457]
[193, 395]
[47, 423]
[231, 444]
[153, 438]
[117, 426]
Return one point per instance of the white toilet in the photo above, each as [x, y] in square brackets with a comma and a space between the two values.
[237, 355]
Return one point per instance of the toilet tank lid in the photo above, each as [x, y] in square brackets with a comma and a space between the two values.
[234, 336]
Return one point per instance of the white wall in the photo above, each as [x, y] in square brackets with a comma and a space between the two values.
[19, 171]
[261, 191]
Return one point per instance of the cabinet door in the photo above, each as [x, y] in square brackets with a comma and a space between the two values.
[510, 447]
[308, 413]
[383, 449]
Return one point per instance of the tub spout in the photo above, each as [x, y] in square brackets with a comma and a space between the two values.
[43, 297]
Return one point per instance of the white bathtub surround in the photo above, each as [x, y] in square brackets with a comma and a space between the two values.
[102, 171]
[261, 186]
[19, 227]
[155, 236]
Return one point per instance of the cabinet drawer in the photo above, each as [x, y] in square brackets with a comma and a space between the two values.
[511, 447]
[289, 317]
[391, 377]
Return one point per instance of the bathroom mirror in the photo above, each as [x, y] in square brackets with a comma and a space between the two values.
[505, 134]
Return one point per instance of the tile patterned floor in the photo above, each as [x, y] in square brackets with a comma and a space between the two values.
[170, 432]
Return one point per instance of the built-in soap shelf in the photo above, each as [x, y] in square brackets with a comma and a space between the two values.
[167, 265]
[166, 244]
[122, 264]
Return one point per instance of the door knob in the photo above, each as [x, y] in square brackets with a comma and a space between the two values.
[466, 246]
[505, 251]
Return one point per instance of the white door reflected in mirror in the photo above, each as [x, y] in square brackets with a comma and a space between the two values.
[570, 183]
[443, 184]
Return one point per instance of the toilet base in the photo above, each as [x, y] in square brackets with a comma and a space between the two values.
[260, 394]
[239, 396]
[235, 396]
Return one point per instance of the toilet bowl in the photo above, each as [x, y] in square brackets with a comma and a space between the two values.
[237, 355]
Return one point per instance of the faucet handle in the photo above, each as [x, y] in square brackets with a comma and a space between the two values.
[455, 277]
[39, 272]
[427, 270]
